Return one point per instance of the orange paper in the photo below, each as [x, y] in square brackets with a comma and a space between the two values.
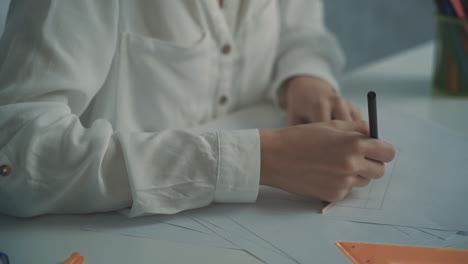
[75, 258]
[372, 253]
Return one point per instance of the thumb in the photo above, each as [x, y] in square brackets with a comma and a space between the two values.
[353, 126]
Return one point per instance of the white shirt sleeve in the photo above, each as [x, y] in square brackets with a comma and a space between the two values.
[306, 47]
[51, 68]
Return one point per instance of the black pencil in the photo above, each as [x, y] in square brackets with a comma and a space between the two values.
[372, 108]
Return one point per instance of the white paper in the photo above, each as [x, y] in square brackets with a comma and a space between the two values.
[425, 187]
[421, 201]
[207, 226]
[249, 243]
[301, 231]
[152, 227]
[428, 185]
[279, 228]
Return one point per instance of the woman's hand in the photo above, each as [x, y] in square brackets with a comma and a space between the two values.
[324, 160]
[309, 99]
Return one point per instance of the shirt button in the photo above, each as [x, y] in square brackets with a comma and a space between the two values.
[226, 49]
[223, 100]
[5, 170]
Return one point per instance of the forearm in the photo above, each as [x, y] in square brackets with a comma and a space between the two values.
[306, 47]
[59, 166]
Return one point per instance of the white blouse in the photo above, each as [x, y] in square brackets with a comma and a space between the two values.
[97, 99]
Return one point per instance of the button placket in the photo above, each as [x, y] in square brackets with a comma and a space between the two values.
[225, 62]
[225, 42]
[5, 170]
[226, 49]
[224, 99]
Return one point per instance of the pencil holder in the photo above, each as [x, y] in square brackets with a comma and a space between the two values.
[451, 56]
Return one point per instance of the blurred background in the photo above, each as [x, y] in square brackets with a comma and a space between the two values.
[367, 29]
[371, 29]
[3, 11]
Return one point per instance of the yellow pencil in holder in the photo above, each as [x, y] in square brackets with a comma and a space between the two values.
[451, 56]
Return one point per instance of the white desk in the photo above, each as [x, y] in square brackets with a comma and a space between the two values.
[403, 81]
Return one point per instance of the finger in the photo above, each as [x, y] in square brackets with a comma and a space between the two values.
[353, 126]
[372, 169]
[355, 112]
[341, 110]
[335, 196]
[294, 119]
[378, 150]
[360, 181]
[321, 112]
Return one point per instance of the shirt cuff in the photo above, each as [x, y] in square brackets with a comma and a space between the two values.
[238, 167]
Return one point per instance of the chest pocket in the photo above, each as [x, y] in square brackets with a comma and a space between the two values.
[258, 38]
[162, 84]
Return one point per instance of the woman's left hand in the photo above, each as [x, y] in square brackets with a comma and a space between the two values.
[309, 99]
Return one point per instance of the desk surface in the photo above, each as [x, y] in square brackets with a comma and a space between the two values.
[403, 81]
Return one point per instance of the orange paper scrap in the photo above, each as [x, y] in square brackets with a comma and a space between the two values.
[372, 253]
[75, 258]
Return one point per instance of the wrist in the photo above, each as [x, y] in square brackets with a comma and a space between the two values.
[309, 82]
[268, 148]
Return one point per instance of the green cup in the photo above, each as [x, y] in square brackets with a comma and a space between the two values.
[451, 56]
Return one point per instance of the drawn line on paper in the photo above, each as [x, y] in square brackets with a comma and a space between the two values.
[256, 235]
[395, 162]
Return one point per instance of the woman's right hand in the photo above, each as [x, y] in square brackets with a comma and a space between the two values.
[323, 160]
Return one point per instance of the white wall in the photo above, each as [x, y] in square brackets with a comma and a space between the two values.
[371, 29]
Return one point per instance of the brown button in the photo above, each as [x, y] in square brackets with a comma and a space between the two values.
[223, 100]
[5, 170]
[226, 49]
